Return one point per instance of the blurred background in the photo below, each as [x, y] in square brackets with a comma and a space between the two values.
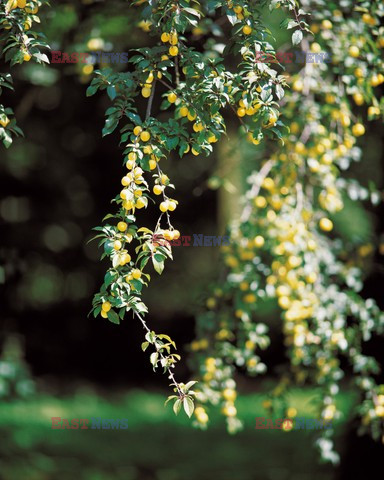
[57, 361]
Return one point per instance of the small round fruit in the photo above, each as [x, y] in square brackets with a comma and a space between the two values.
[132, 156]
[173, 51]
[358, 129]
[137, 130]
[183, 111]
[122, 226]
[146, 92]
[136, 273]
[247, 30]
[172, 97]
[27, 57]
[165, 37]
[354, 51]
[259, 241]
[141, 202]
[145, 136]
[117, 244]
[164, 206]
[104, 314]
[106, 306]
[4, 122]
[172, 206]
[158, 189]
[152, 164]
[326, 224]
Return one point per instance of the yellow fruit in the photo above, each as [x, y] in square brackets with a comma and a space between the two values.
[195, 152]
[141, 202]
[240, 112]
[21, 3]
[145, 136]
[326, 24]
[358, 129]
[158, 189]
[136, 273]
[104, 314]
[173, 39]
[146, 92]
[172, 97]
[260, 201]
[124, 259]
[191, 116]
[137, 130]
[164, 58]
[359, 72]
[354, 51]
[229, 411]
[291, 412]
[4, 122]
[373, 111]
[237, 9]
[27, 57]
[298, 85]
[165, 37]
[164, 179]
[122, 226]
[198, 127]
[176, 234]
[125, 181]
[164, 206]
[106, 307]
[152, 164]
[183, 111]
[117, 244]
[284, 302]
[212, 139]
[173, 51]
[247, 30]
[326, 224]
[358, 98]
[259, 241]
[379, 410]
[345, 120]
[229, 394]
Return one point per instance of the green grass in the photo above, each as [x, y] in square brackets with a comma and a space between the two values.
[157, 445]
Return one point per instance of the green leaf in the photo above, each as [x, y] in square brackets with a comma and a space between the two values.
[177, 406]
[297, 37]
[189, 385]
[189, 406]
[154, 358]
[144, 346]
[158, 266]
[113, 317]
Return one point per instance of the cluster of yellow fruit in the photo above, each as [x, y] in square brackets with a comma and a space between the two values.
[147, 86]
[30, 9]
[173, 39]
[239, 12]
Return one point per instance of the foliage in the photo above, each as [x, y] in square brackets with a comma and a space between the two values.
[19, 43]
[284, 246]
[198, 87]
